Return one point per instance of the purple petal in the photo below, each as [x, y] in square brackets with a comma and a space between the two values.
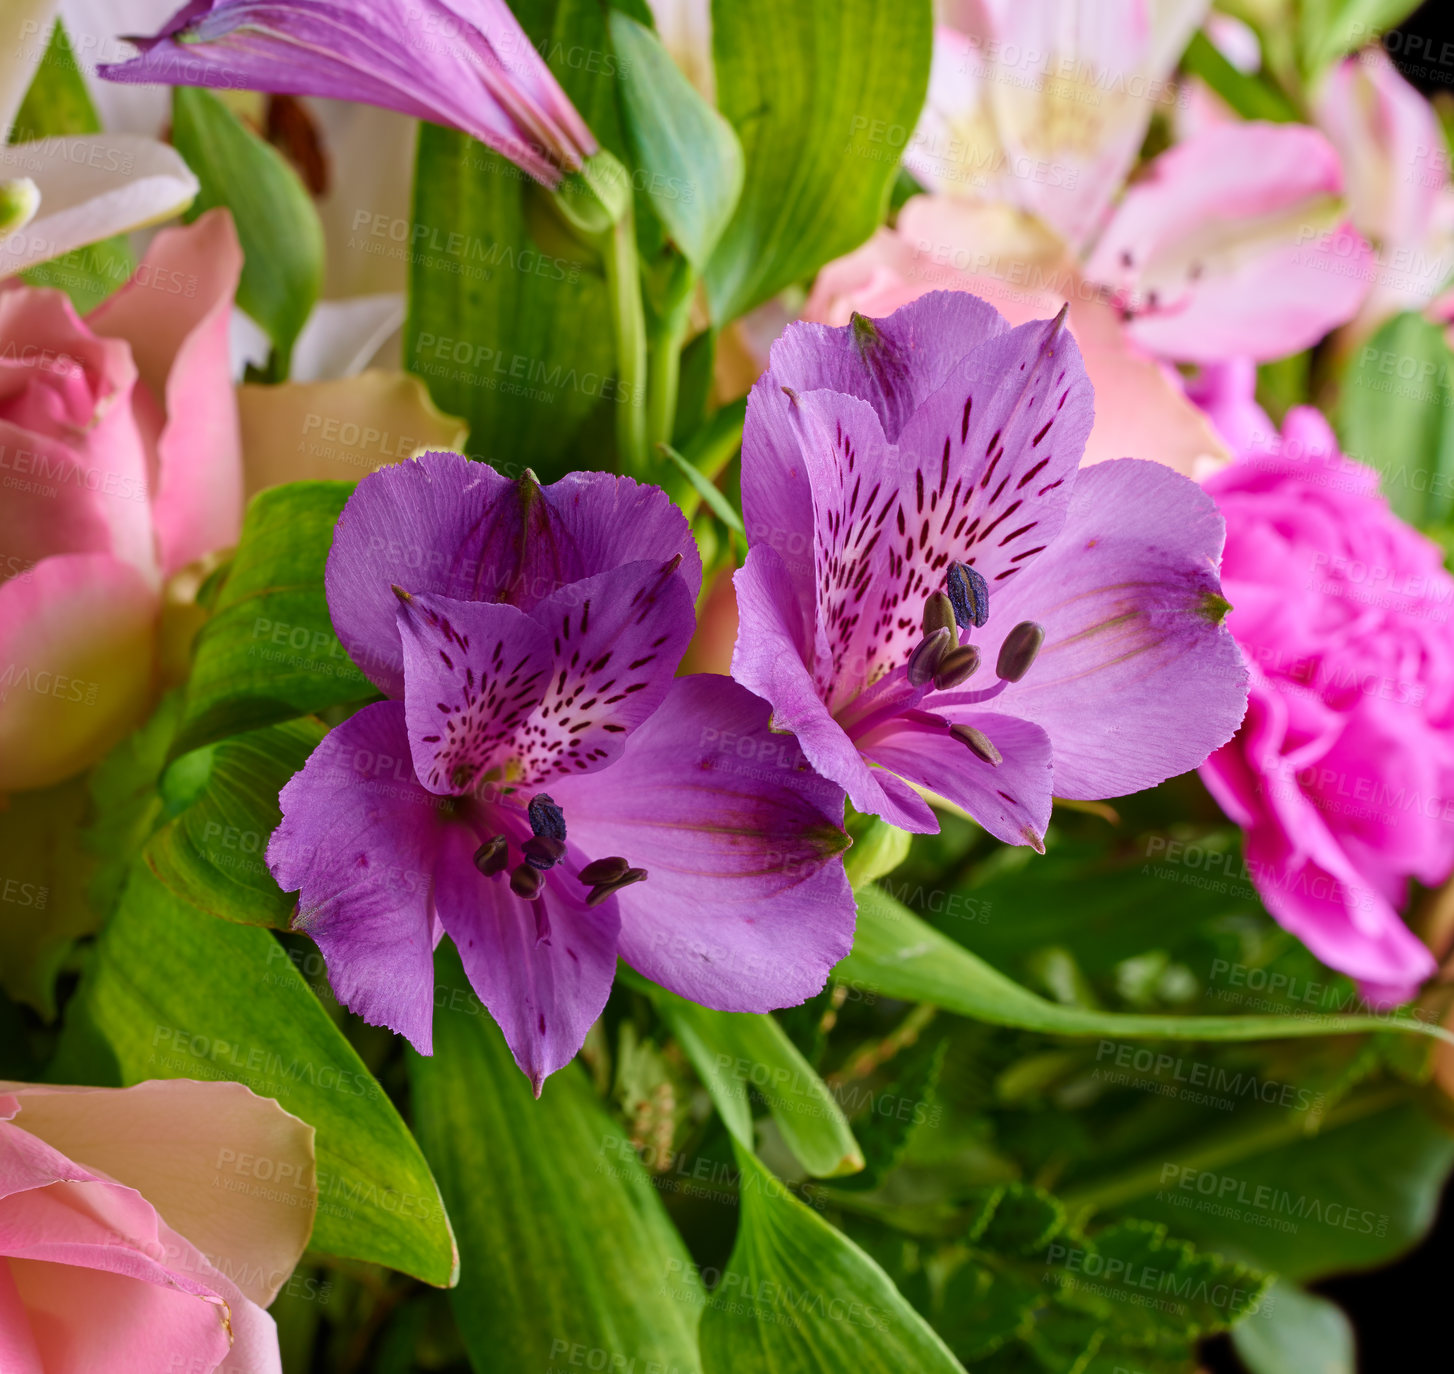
[483, 76]
[1138, 679]
[618, 638]
[769, 659]
[1011, 799]
[543, 968]
[441, 524]
[474, 672]
[358, 842]
[907, 359]
[894, 364]
[746, 906]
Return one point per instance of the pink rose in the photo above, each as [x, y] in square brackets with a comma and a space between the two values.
[135, 1232]
[119, 464]
[1342, 774]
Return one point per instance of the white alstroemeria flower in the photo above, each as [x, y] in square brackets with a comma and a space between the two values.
[64, 193]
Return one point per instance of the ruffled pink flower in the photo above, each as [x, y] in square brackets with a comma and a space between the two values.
[1342, 775]
[130, 1236]
[119, 465]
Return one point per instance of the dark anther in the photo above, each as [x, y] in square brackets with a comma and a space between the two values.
[492, 856]
[958, 665]
[979, 743]
[543, 852]
[938, 613]
[969, 594]
[1018, 651]
[928, 654]
[603, 871]
[601, 891]
[525, 881]
[546, 818]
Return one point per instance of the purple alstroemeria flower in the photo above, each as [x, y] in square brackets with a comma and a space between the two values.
[539, 786]
[936, 596]
[466, 64]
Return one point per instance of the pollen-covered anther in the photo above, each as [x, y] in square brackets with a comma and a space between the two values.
[980, 744]
[603, 870]
[969, 594]
[928, 654]
[1018, 651]
[525, 881]
[938, 613]
[601, 891]
[492, 856]
[958, 665]
[546, 818]
[543, 852]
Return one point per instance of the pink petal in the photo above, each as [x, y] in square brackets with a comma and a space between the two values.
[174, 313]
[175, 1141]
[77, 641]
[1231, 245]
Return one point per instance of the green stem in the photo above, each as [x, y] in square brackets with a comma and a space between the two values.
[666, 355]
[623, 284]
[1230, 1147]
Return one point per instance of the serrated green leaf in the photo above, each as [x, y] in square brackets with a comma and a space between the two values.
[983, 1309]
[564, 1243]
[269, 652]
[173, 993]
[212, 855]
[895, 1112]
[798, 1297]
[280, 232]
[1023, 1220]
[816, 93]
[898, 955]
[689, 159]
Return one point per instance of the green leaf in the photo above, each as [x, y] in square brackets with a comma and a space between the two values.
[58, 105]
[895, 1112]
[280, 233]
[1352, 1197]
[732, 1051]
[177, 994]
[1329, 28]
[897, 955]
[44, 908]
[1250, 96]
[823, 98]
[212, 854]
[269, 652]
[1296, 1332]
[689, 157]
[567, 1254]
[507, 314]
[799, 1297]
[717, 503]
[1396, 414]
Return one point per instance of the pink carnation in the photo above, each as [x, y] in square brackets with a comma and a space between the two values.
[1342, 774]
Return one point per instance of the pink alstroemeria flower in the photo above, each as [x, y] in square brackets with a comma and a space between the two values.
[918, 526]
[1397, 169]
[1232, 243]
[126, 1243]
[540, 786]
[466, 64]
[119, 465]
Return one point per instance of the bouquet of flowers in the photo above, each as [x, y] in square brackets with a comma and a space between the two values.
[759, 687]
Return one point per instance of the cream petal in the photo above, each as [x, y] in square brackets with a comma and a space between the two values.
[91, 188]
